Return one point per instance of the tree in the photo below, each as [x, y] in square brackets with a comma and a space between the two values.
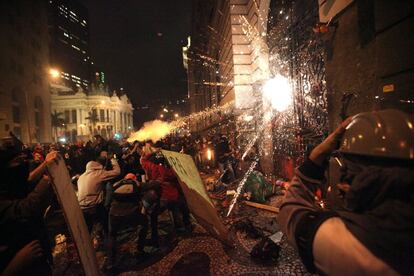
[93, 119]
[57, 122]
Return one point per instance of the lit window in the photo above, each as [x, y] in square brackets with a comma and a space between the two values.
[73, 19]
[63, 29]
[74, 47]
[65, 34]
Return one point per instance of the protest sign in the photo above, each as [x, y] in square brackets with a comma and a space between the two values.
[196, 195]
[62, 185]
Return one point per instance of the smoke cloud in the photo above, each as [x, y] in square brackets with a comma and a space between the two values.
[153, 130]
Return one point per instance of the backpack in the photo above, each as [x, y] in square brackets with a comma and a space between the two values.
[127, 190]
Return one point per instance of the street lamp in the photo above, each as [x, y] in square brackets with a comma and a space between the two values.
[176, 115]
[162, 116]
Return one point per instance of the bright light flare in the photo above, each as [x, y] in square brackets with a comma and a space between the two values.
[248, 118]
[209, 154]
[54, 73]
[278, 92]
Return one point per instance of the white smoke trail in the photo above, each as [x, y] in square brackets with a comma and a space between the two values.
[154, 130]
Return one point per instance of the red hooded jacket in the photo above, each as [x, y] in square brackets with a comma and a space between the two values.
[164, 175]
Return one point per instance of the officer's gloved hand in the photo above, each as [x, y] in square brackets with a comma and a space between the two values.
[321, 152]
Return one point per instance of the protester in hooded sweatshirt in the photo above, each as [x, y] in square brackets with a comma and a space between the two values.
[91, 187]
[368, 226]
[24, 243]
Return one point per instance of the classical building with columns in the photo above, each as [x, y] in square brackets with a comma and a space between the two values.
[87, 114]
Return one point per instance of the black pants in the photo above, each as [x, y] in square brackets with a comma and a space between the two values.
[132, 220]
[176, 207]
[96, 214]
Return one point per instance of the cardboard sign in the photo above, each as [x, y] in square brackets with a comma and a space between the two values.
[329, 8]
[62, 185]
[196, 195]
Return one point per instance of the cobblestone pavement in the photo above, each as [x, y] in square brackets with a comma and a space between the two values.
[223, 260]
[196, 253]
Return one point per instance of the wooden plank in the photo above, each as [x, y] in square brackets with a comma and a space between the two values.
[196, 195]
[62, 185]
[262, 206]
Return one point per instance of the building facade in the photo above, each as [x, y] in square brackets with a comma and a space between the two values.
[24, 65]
[86, 114]
[227, 64]
[228, 55]
[341, 57]
[369, 57]
[69, 42]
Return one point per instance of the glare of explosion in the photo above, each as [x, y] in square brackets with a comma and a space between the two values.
[278, 92]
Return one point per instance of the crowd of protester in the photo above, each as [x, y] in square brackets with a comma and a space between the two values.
[365, 230]
[118, 184]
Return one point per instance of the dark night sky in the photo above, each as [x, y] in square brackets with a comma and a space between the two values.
[125, 43]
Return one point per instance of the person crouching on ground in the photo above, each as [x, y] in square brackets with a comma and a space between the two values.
[369, 228]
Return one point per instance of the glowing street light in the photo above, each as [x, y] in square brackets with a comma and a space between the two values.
[176, 115]
[162, 116]
[54, 73]
[165, 110]
[278, 92]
